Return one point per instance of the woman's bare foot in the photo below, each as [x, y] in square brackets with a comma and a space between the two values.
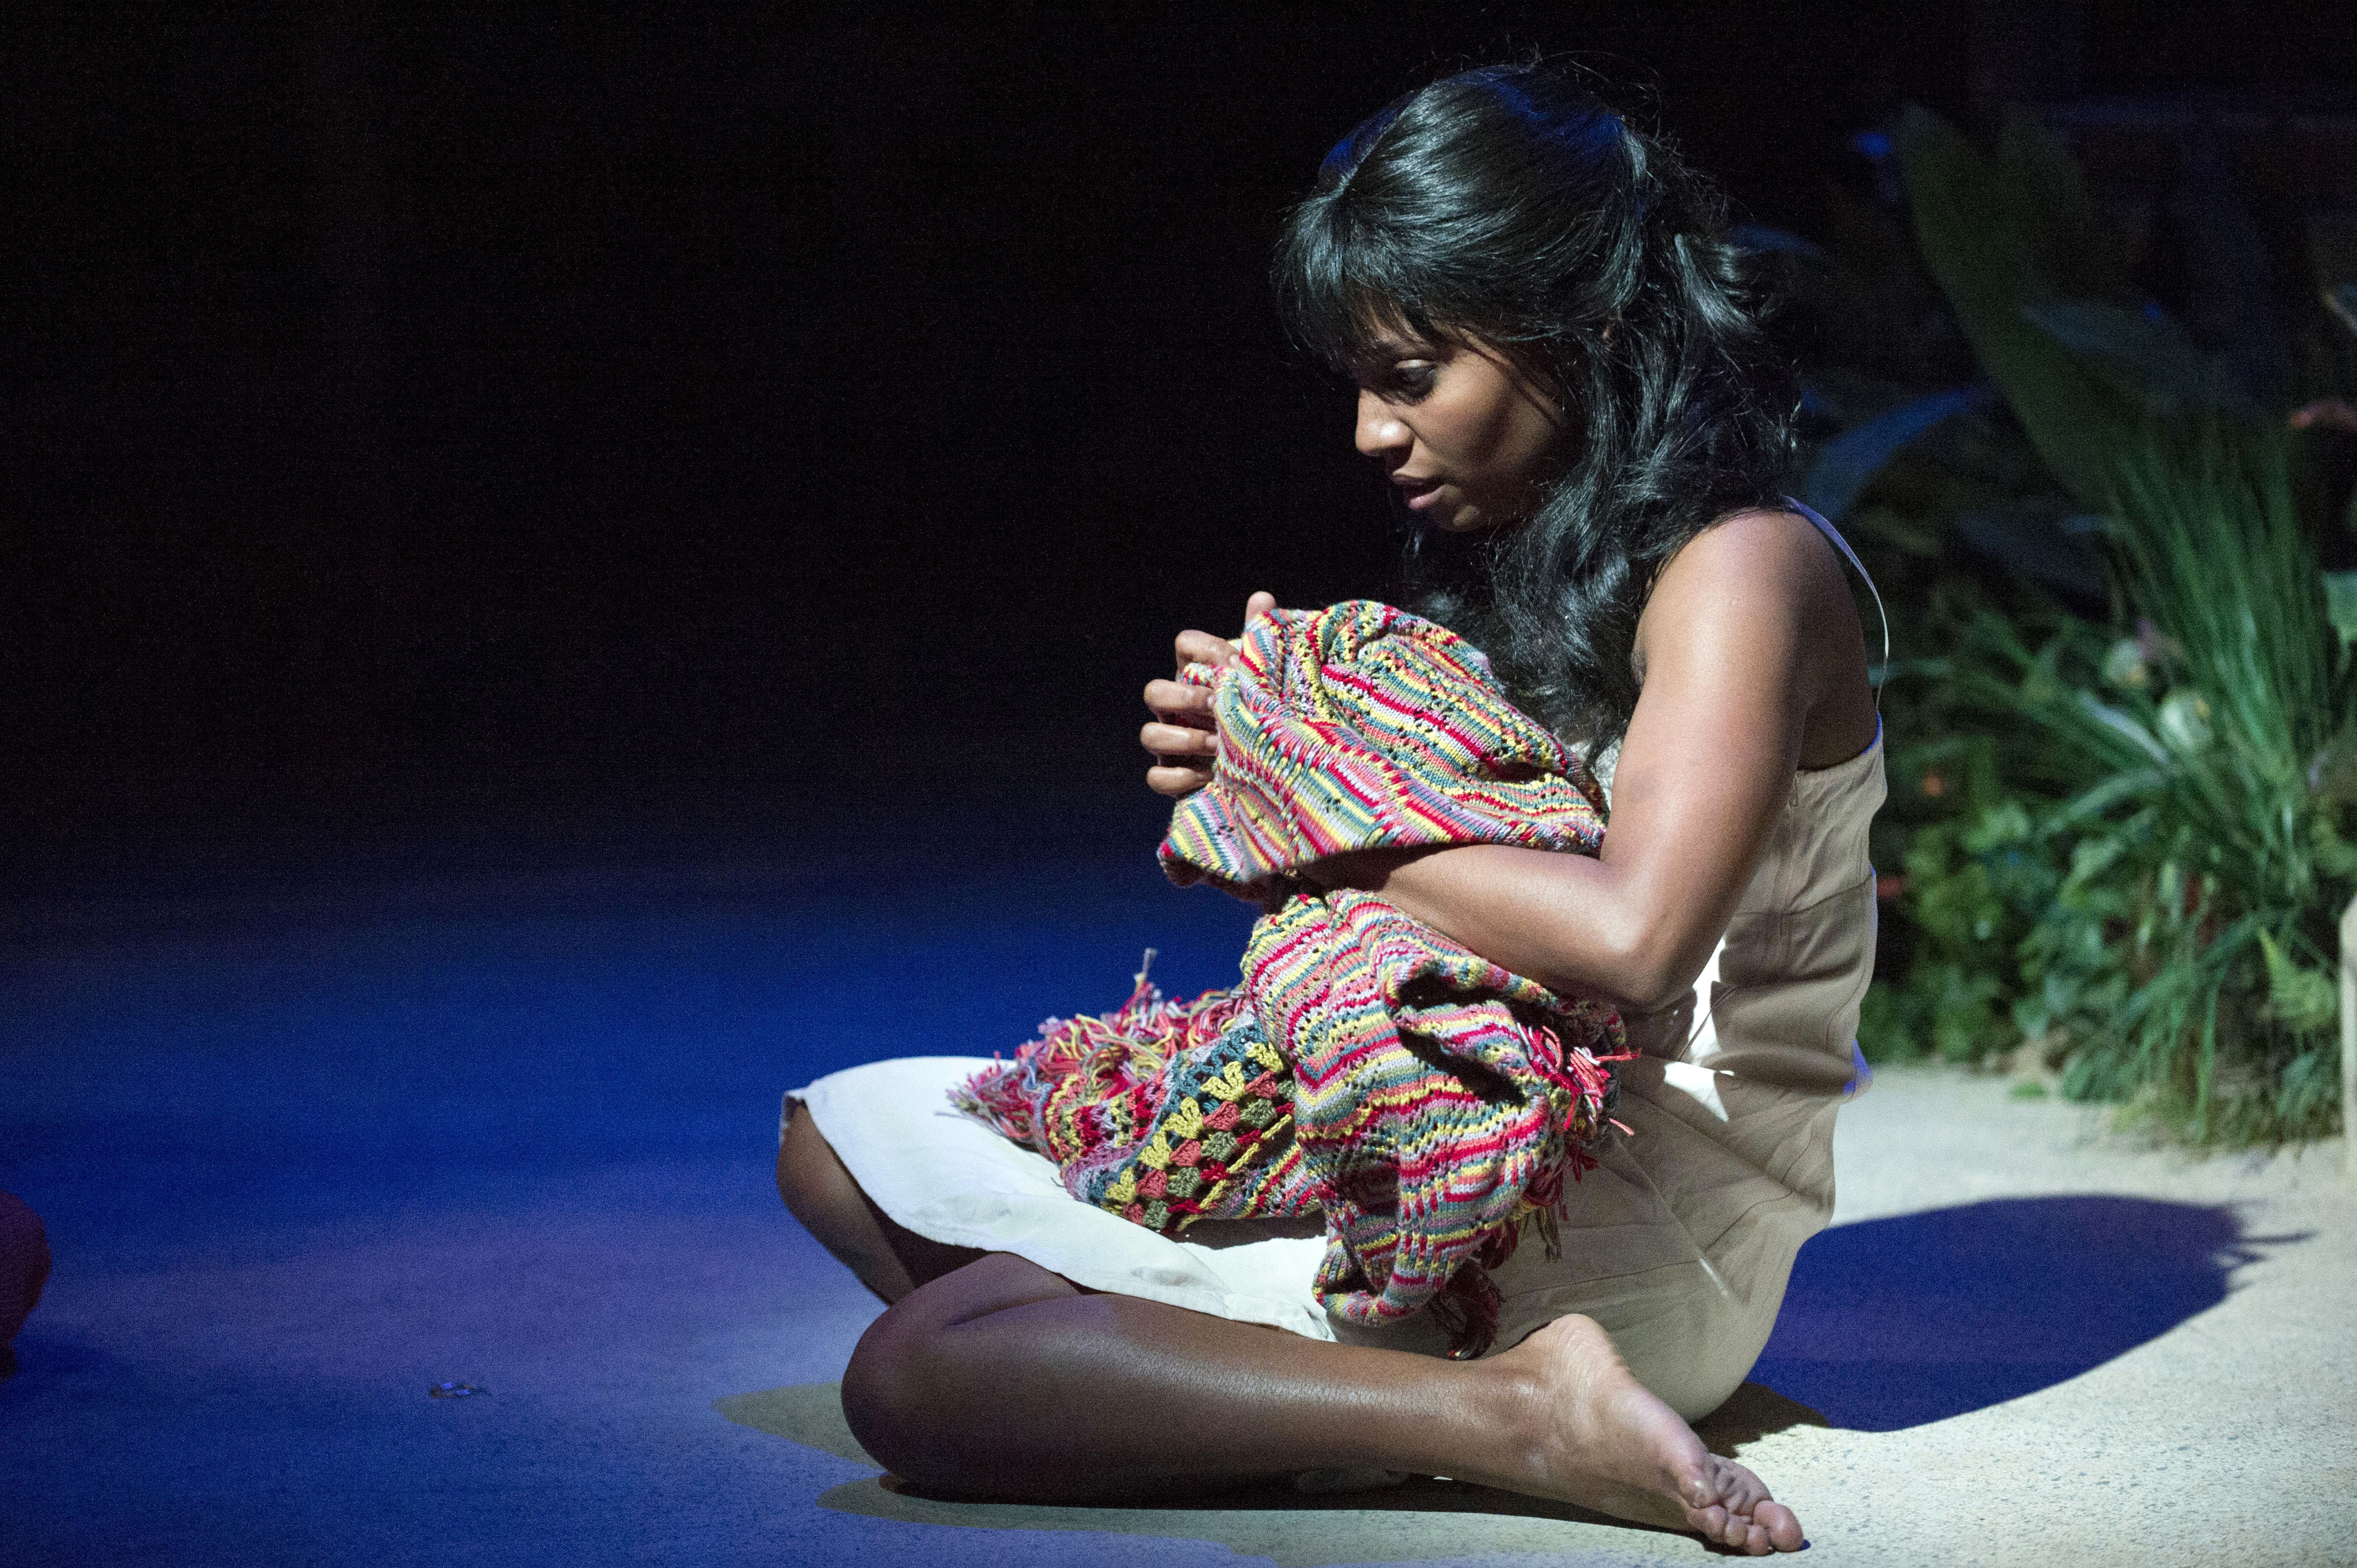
[1595, 1437]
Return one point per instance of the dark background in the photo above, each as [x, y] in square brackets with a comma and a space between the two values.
[547, 423]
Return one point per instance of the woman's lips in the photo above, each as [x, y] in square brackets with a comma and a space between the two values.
[1418, 493]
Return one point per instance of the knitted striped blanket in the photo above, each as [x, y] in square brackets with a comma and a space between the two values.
[1426, 1101]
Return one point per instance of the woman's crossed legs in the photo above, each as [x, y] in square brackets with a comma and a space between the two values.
[990, 1376]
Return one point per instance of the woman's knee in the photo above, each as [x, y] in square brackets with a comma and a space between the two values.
[923, 1383]
[883, 1387]
[904, 1396]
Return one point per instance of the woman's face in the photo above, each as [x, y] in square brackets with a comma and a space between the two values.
[1462, 432]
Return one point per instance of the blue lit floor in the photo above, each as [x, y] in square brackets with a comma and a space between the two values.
[305, 1150]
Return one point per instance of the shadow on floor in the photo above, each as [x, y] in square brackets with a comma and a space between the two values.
[1893, 1323]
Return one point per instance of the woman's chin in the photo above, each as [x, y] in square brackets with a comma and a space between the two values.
[1459, 520]
[1446, 511]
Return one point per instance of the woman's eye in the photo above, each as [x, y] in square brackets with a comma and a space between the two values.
[1411, 380]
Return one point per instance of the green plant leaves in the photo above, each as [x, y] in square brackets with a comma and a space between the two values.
[2037, 542]
[1845, 463]
[2003, 236]
[2341, 604]
[2299, 997]
[2341, 299]
[2125, 847]
[2163, 921]
[2143, 355]
[2055, 222]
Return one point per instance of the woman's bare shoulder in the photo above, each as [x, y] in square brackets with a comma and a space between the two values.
[1758, 539]
[1760, 600]
[1765, 560]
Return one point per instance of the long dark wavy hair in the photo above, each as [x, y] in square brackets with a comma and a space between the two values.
[1513, 206]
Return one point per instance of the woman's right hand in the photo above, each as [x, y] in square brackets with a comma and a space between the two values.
[1182, 735]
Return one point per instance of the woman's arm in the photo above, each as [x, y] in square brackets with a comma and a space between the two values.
[1749, 626]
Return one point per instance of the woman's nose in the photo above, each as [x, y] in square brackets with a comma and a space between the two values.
[1380, 430]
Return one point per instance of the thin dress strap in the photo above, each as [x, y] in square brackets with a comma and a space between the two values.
[1833, 533]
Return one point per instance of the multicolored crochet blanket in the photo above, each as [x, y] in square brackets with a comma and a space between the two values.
[1436, 1101]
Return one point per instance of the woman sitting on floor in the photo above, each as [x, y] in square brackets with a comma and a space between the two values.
[1558, 364]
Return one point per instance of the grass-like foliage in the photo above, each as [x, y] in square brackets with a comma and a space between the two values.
[2166, 860]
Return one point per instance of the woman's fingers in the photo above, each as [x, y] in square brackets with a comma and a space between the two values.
[1193, 647]
[1183, 735]
[1202, 648]
[1178, 740]
[1176, 702]
[1182, 757]
[1165, 779]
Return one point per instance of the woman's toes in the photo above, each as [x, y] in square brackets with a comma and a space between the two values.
[1740, 1489]
[1782, 1526]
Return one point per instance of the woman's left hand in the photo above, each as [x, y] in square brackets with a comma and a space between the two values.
[1182, 735]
